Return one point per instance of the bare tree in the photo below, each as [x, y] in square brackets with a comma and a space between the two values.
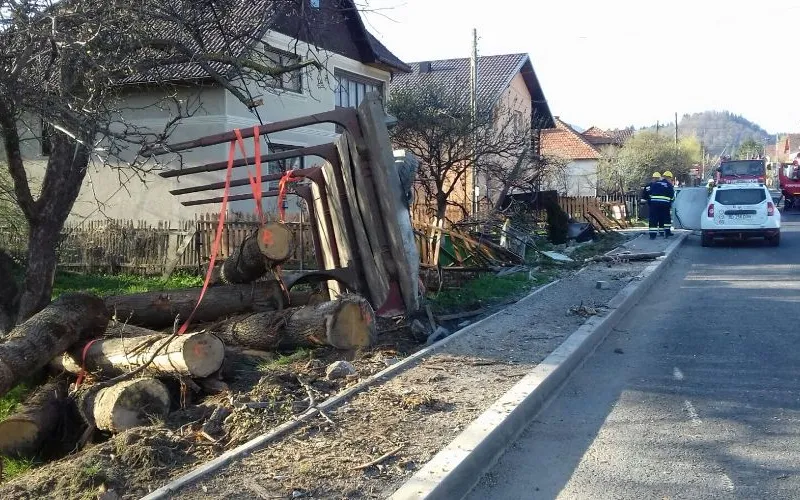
[437, 124]
[68, 68]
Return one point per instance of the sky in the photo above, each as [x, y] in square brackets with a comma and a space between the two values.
[620, 62]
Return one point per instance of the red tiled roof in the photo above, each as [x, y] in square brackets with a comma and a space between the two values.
[600, 137]
[565, 142]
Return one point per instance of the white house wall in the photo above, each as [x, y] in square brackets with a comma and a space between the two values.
[147, 197]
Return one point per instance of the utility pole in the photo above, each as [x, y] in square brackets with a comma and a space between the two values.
[473, 94]
[658, 125]
[676, 130]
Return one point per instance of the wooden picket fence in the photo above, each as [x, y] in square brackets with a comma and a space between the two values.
[151, 248]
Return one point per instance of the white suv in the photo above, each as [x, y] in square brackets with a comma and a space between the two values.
[741, 211]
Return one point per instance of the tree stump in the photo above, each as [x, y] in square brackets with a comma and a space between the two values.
[130, 403]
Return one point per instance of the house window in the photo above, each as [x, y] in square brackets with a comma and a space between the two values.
[291, 80]
[351, 89]
[280, 166]
[46, 140]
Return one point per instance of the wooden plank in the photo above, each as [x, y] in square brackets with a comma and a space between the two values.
[375, 273]
[325, 237]
[394, 209]
[172, 262]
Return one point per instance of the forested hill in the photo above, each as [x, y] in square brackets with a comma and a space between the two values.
[718, 130]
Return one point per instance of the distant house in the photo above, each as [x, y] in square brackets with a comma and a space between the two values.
[599, 137]
[354, 61]
[506, 82]
[579, 154]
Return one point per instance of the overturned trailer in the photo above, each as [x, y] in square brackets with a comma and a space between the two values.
[357, 201]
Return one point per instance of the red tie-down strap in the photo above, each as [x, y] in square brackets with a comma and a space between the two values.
[217, 237]
[82, 373]
[255, 180]
[283, 186]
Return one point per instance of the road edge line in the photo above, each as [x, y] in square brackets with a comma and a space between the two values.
[455, 470]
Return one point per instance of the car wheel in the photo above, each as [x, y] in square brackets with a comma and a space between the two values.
[775, 240]
[706, 240]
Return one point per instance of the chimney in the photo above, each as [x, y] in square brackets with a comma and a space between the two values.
[425, 67]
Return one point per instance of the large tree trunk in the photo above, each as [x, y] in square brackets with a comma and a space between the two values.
[24, 432]
[345, 323]
[265, 249]
[130, 403]
[31, 345]
[66, 169]
[192, 355]
[159, 309]
[9, 293]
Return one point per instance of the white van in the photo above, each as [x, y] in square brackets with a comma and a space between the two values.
[741, 211]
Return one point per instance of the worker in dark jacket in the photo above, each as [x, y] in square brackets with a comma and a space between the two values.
[659, 195]
[667, 223]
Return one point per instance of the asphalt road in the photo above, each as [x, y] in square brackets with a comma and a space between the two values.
[696, 394]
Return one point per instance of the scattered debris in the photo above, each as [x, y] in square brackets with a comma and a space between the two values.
[339, 369]
[602, 285]
[558, 257]
[440, 333]
[625, 257]
[619, 351]
[584, 311]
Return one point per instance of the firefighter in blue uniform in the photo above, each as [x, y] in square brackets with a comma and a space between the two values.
[667, 223]
[659, 195]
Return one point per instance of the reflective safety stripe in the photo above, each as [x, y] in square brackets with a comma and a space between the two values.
[667, 226]
[656, 197]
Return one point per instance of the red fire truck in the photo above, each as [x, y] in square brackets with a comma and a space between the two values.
[789, 177]
[741, 171]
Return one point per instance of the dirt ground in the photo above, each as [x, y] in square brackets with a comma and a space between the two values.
[403, 422]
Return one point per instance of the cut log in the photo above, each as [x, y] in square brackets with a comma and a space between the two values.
[31, 345]
[265, 249]
[23, 433]
[345, 323]
[192, 355]
[159, 309]
[130, 403]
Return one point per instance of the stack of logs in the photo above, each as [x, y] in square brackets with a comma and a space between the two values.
[112, 345]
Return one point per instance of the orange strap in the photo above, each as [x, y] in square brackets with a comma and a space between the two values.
[82, 373]
[282, 187]
[218, 237]
[255, 180]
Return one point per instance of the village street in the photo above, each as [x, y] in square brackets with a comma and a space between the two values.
[694, 395]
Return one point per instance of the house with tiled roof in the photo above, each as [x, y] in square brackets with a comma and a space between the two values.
[599, 137]
[507, 83]
[352, 63]
[578, 153]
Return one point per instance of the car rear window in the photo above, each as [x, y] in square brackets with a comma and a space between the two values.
[740, 196]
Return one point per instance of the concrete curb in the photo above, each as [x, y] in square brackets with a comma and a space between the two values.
[455, 470]
[254, 444]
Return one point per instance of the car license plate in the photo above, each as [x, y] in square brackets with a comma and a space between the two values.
[741, 216]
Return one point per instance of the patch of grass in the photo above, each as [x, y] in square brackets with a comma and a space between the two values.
[120, 284]
[12, 398]
[13, 467]
[299, 355]
[484, 290]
